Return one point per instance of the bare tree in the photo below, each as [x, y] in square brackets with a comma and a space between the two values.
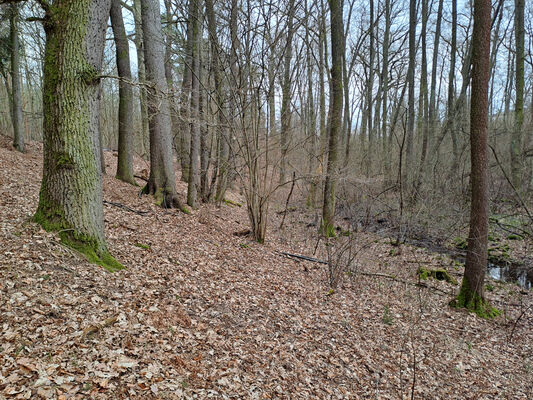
[161, 182]
[125, 108]
[16, 87]
[471, 294]
[335, 117]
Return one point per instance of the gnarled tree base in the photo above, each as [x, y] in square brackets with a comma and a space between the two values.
[165, 198]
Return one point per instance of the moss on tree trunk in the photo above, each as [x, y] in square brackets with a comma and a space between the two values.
[70, 199]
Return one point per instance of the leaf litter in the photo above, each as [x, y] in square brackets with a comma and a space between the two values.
[202, 313]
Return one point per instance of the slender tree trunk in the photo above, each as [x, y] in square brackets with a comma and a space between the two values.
[411, 92]
[423, 100]
[174, 109]
[125, 93]
[369, 93]
[221, 130]
[471, 293]
[335, 117]
[70, 199]
[286, 93]
[516, 138]
[185, 101]
[18, 125]
[204, 137]
[384, 95]
[194, 171]
[141, 76]
[433, 85]
[161, 182]
[311, 121]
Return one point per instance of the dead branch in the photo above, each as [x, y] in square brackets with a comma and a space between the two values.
[119, 205]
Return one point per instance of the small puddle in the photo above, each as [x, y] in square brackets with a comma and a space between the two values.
[512, 273]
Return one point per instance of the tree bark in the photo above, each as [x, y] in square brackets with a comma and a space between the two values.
[16, 91]
[471, 293]
[411, 92]
[516, 138]
[161, 182]
[286, 93]
[194, 164]
[125, 93]
[141, 76]
[335, 117]
[71, 191]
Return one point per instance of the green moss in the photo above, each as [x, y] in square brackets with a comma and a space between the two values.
[498, 254]
[438, 274]
[63, 160]
[229, 202]
[88, 248]
[460, 243]
[53, 220]
[328, 230]
[474, 302]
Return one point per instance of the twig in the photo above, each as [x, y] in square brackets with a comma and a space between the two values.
[126, 208]
[511, 184]
[288, 199]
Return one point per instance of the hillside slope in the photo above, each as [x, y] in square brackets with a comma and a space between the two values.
[202, 313]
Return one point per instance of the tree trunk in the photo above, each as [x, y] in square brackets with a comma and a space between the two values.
[161, 182]
[185, 101]
[286, 93]
[471, 293]
[369, 94]
[335, 118]
[141, 76]
[125, 93]
[194, 164]
[71, 191]
[18, 125]
[221, 130]
[411, 92]
[516, 139]
[384, 94]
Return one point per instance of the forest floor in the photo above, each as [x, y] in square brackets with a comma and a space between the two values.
[202, 313]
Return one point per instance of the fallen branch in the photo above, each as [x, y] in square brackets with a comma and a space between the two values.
[297, 256]
[140, 177]
[125, 207]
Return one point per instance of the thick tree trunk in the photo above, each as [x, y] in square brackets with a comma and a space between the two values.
[71, 191]
[335, 118]
[16, 116]
[471, 293]
[161, 182]
[125, 93]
